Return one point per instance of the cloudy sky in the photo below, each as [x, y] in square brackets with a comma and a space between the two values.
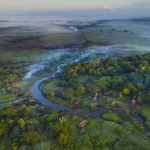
[102, 6]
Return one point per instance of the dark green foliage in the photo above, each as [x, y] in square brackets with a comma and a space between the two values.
[8, 112]
[3, 128]
[10, 79]
[51, 118]
[30, 137]
[24, 111]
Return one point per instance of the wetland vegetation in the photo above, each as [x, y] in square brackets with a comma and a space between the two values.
[113, 74]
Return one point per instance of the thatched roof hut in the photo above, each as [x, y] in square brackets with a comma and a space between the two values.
[133, 102]
[81, 124]
[120, 105]
[42, 108]
[31, 99]
[108, 100]
[77, 102]
[114, 95]
[92, 106]
[82, 131]
[94, 99]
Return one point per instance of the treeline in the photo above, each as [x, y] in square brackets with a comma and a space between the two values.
[135, 82]
[10, 79]
[110, 67]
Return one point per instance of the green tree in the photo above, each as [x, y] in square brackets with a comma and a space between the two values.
[5, 71]
[69, 93]
[131, 88]
[3, 89]
[118, 130]
[126, 91]
[16, 71]
[21, 122]
[99, 143]
[80, 91]
[102, 86]
[8, 89]
[64, 140]
[52, 117]
[139, 86]
[9, 111]
[30, 137]
[141, 127]
[147, 97]
[70, 73]
[10, 121]
[62, 127]
[3, 128]
[74, 118]
[6, 80]
[147, 80]
[52, 94]
[24, 111]
[138, 100]
[116, 83]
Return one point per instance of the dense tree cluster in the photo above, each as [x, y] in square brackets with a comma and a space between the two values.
[10, 79]
[14, 125]
[136, 79]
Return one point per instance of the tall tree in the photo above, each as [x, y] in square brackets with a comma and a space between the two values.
[52, 94]
[3, 128]
[30, 137]
[21, 122]
[69, 93]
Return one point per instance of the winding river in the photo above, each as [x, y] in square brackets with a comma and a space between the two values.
[37, 94]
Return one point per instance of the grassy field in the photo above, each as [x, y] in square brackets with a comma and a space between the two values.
[112, 116]
[6, 97]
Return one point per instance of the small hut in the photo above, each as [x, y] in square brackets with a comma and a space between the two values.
[96, 94]
[94, 99]
[92, 106]
[82, 131]
[120, 105]
[31, 100]
[81, 124]
[108, 100]
[114, 95]
[77, 102]
[133, 102]
[42, 108]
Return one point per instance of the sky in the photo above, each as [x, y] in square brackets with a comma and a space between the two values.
[98, 6]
